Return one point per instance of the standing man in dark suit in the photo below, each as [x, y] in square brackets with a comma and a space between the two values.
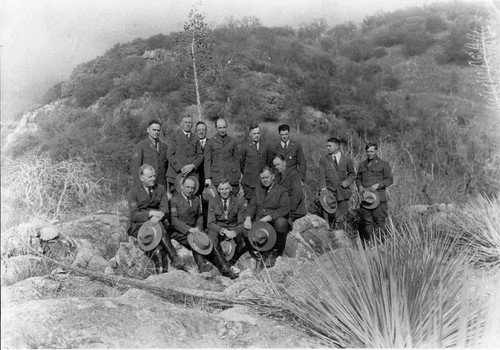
[201, 132]
[186, 218]
[150, 151]
[254, 156]
[226, 214]
[336, 173]
[374, 175]
[185, 154]
[149, 201]
[270, 203]
[290, 179]
[222, 159]
[292, 150]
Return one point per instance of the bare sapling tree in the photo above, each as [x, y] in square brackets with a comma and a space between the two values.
[194, 49]
[485, 53]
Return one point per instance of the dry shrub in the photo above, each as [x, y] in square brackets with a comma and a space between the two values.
[410, 291]
[477, 224]
[39, 186]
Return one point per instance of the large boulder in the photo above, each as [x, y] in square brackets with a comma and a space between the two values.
[131, 260]
[139, 320]
[311, 236]
[100, 231]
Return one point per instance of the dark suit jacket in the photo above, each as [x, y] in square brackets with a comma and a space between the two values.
[379, 171]
[183, 151]
[275, 203]
[184, 216]
[222, 160]
[217, 218]
[330, 176]
[145, 153]
[290, 180]
[201, 169]
[252, 161]
[294, 156]
[139, 205]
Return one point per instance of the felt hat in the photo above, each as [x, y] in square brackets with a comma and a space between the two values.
[262, 236]
[370, 200]
[328, 201]
[178, 183]
[200, 242]
[209, 193]
[228, 248]
[149, 236]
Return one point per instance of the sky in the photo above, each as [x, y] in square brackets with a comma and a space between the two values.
[43, 40]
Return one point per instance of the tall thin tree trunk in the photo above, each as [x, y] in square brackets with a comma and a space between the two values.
[197, 87]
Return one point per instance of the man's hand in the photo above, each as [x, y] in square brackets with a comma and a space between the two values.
[194, 230]
[155, 219]
[266, 218]
[374, 187]
[153, 213]
[229, 233]
[186, 169]
[248, 223]
[344, 184]
[208, 182]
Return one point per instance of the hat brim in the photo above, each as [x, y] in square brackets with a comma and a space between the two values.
[262, 225]
[209, 193]
[156, 240]
[373, 205]
[178, 183]
[324, 204]
[232, 251]
[192, 244]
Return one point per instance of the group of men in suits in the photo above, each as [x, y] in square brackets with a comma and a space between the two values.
[220, 164]
[272, 178]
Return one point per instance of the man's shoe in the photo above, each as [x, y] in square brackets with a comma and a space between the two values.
[178, 264]
[230, 274]
[205, 267]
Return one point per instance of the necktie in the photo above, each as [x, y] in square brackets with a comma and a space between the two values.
[335, 161]
[224, 206]
[257, 145]
[190, 203]
[157, 145]
[150, 192]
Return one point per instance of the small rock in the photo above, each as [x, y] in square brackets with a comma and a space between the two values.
[418, 209]
[442, 207]
[239, 314]
[450, 207]
[109, 270]
[97, 263]
[48, 233]
[83, 258]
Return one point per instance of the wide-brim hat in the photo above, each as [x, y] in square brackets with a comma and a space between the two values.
[328, 201]
[209, 193]
[200, 242]
[262, 236]
[178, 183]
[371, 200]
[228, 248]
[149, 236]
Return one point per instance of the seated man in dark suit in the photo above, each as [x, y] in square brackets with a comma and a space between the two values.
[290, 179]
[149, 201]
[226, 214]
[187, 218]
[270, 203]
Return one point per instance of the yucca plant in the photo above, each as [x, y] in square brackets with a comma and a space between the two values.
[477, 226]
[409, 291]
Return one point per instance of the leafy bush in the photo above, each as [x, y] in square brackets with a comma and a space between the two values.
[409, 291]
[416, 43]
[435, 24]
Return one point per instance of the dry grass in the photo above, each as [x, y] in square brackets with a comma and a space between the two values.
[410, 291]
[477, 224]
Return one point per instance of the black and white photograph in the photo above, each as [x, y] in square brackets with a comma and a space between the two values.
[250, 174]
